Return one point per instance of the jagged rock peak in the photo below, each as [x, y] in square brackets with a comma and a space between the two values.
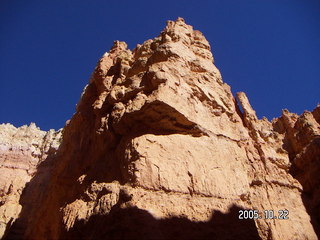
[118, 46]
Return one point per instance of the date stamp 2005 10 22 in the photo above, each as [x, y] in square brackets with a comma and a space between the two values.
[266, 214]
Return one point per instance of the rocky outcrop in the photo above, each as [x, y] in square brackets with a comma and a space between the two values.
[160, 149]
[21, 151]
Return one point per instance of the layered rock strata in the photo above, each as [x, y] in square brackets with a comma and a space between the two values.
[21, 151]
[160, 149]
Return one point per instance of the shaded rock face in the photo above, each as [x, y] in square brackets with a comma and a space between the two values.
[21, 151]
[159, 149]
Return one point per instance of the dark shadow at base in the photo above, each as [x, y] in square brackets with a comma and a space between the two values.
[313, 209]
[307, 173]
[134, 223]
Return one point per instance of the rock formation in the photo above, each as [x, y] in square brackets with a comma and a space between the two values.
[21, 151]
[159, 148]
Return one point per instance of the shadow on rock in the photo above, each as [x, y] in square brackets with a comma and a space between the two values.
[306, 168]
[134, 223]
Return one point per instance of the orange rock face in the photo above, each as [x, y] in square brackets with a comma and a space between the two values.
[160, 149]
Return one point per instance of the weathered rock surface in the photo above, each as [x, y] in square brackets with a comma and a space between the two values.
[160, 149]
[21, 151]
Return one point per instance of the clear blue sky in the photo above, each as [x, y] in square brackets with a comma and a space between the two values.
[269, 49]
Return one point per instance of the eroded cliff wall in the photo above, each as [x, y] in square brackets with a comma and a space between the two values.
[159, 148]
[21, 151]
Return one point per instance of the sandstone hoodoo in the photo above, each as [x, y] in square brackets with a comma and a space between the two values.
[159, 148]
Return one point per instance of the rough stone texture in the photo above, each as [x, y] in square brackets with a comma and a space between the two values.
[21, 150]
[160, 149]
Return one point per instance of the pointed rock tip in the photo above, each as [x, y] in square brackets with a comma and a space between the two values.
[118, 45]
[179, 20]
[32, 125]
[287, 113]
[241, 93]
[245, 104]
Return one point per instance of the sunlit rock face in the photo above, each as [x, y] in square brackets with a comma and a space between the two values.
[159, 148]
